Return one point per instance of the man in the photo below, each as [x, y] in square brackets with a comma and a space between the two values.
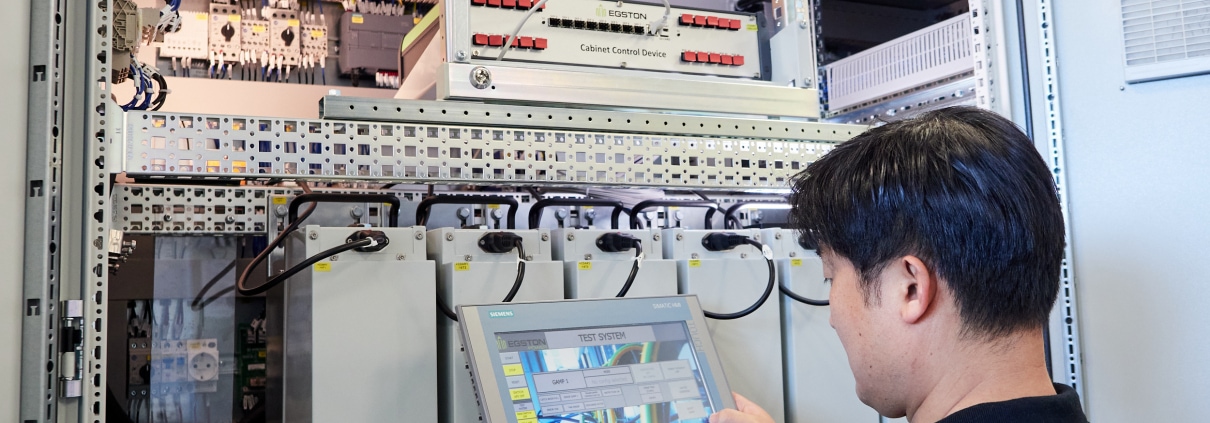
[943, 237]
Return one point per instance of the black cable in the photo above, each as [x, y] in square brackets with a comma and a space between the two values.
[520, 273]
[512, 292]
[787, 292]
[763, 297]
[279, 278]
[634, 269]
[198, 302]
[256, 261]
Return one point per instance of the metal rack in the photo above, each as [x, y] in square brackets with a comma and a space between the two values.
[70, 208]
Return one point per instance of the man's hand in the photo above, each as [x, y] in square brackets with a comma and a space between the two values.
[748, 412]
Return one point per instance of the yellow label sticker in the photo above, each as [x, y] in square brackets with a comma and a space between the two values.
[514, 370]
[518, 394]
[527, 421]
[260, 354]
[796, 262]
[695, 263]
[213, 163]
[751, 27]
[280, 201]
[357, 18]
[257, 29]
[462, 266]
[531, 414]
[203, 16]
[323, 267]
[584, 265]
[232, 18]
[493, 206]
[292, 22]
[316, 34]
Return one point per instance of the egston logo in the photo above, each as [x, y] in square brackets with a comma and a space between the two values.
[603, 12]
[501, 313]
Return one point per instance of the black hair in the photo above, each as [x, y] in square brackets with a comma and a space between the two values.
[960, 188]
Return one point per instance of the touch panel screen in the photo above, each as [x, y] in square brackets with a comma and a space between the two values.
[641, 360]
[638, 373]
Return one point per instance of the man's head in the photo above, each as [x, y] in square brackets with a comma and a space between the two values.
[945, 227]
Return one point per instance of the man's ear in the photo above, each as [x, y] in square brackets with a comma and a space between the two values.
[915, 288]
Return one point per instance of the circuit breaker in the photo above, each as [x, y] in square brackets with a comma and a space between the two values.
[727, 281]
[598, 262]
[225, 31]
[360, 330]
[477, 266]
[819, 384]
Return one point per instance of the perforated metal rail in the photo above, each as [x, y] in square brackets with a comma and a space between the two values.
[199, 147]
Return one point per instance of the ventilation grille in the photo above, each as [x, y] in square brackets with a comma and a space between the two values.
[1165, 38]
[934, 53]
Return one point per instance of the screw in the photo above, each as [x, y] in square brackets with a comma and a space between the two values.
[793, 254]
[777, 235]
[529, 258]
[545, 237]
[655, 237]
[467, 258]
[802, 23]
[356, 212]
[230, 219]
[481, 77]
[313, 235]
[419, 236]
[460, 55]
[571, 237]
[167, 218]
[693, 256]
[680, 237]
[281, 211]
[449, 236]
[587, 257]
[400, 257]
[335, 258]
[743, 255]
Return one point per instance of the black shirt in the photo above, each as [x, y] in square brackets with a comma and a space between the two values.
[1063, 407]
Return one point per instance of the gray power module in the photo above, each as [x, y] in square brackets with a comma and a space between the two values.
[370, 43]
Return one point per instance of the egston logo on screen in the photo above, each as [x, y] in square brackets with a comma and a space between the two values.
[501, 313]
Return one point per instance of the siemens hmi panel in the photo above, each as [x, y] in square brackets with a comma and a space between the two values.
[627, 359]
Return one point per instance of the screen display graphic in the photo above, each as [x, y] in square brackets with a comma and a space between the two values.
[618, 374]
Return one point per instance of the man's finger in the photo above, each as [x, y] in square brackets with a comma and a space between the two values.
[750, 408]
[732, 416]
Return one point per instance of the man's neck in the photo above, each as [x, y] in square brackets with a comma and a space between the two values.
[970, 372]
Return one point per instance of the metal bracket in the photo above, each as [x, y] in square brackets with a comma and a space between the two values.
[1064, 321]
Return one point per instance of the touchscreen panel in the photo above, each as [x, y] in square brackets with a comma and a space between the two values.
[645, 373]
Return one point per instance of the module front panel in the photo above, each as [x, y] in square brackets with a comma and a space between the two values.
[618, 35]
